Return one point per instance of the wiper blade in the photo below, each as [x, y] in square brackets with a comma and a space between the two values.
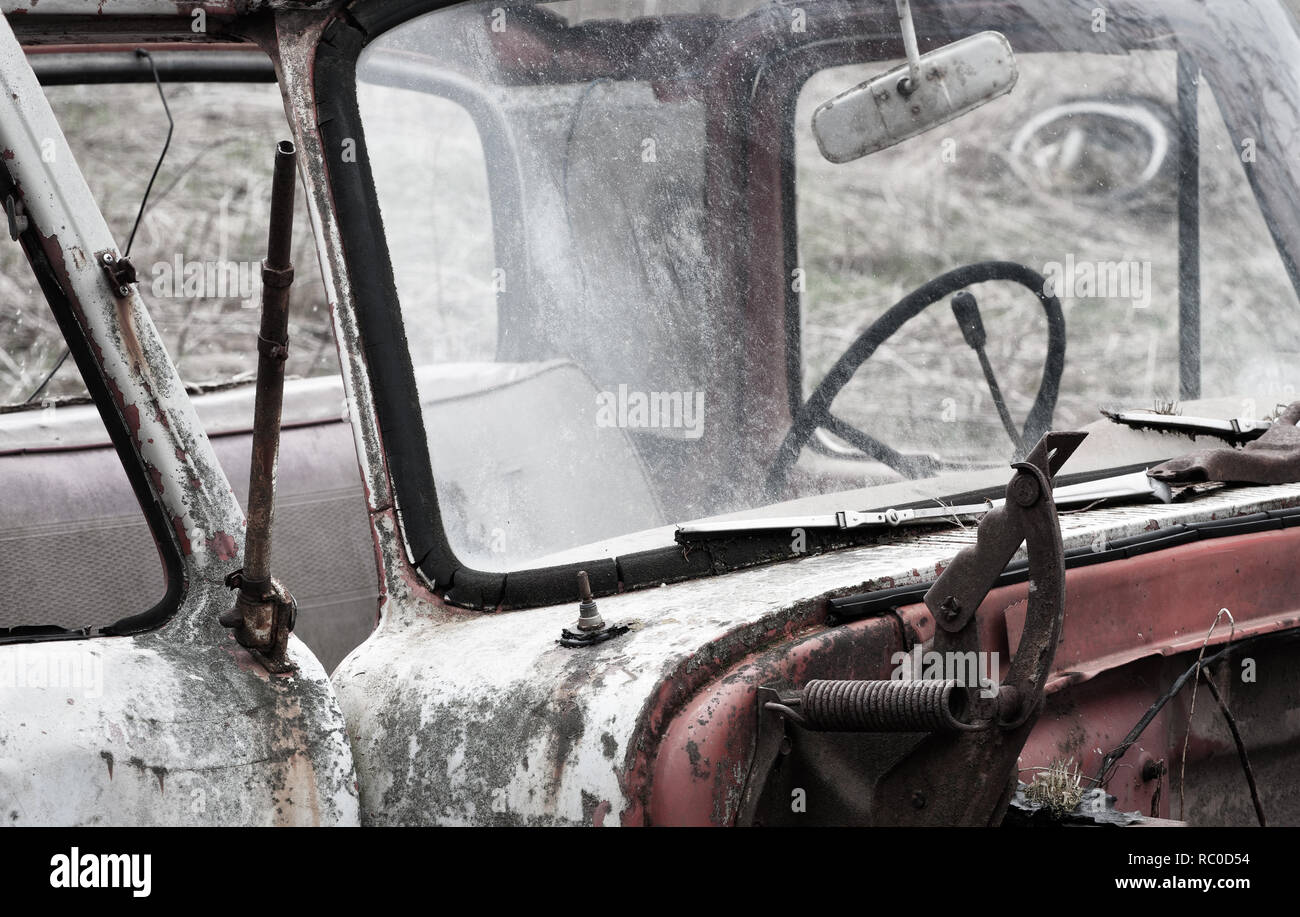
[844, 519]
[1126, 486]
[1234, 429]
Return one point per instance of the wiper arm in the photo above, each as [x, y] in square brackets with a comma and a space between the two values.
[1234, 429]
[1126, 486]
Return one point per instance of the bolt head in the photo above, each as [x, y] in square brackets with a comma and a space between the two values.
[1025, 490]
[918, 799]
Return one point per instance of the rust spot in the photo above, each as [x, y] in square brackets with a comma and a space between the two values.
[129, 338]
[223, 545]
[179, 524]
[131, 414]
[245, 660]
[696, 759]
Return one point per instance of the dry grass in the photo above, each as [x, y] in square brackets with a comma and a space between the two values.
[210, 203]
[1057, 787]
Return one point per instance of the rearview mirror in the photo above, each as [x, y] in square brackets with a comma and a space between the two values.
[915, 97]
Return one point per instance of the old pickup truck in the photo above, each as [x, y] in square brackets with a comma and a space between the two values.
[745, 413]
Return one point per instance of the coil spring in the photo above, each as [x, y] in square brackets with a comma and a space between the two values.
[882, 706]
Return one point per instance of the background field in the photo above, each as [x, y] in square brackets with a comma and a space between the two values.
[209, 204]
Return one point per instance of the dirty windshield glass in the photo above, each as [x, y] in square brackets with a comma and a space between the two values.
[627, 266]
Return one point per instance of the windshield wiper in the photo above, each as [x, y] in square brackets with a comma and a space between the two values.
[1234, 429]
[1126, 486]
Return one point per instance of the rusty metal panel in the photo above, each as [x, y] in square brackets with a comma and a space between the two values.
[537, 733]
[1138, 606]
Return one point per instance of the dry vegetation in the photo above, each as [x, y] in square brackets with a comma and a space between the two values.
[209, 204]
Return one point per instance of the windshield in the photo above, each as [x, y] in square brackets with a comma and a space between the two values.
[623, 264]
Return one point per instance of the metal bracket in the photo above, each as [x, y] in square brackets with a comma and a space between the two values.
[968, 778]
[963, 770]
[262, 618]
[119, 271]
[16, 215]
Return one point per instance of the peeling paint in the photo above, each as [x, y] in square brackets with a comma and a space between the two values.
[459, 718]
[182, 730]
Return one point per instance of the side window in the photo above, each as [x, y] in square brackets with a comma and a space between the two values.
[75, 549]
[199, 246]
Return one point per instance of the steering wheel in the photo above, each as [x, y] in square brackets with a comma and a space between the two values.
[815, 412]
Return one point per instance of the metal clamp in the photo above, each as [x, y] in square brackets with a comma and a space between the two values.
[277, 277]
[119, 271]
[262, 618]
[273, 350]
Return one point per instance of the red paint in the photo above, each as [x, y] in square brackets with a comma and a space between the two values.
[695, 742]
[182, 536]
[690, 676]
[131, 414]
[224, 546]
[1164, 603]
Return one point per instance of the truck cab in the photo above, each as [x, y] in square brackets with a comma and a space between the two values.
[716, 390]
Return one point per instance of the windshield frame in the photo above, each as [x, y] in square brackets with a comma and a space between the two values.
[391, 370]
